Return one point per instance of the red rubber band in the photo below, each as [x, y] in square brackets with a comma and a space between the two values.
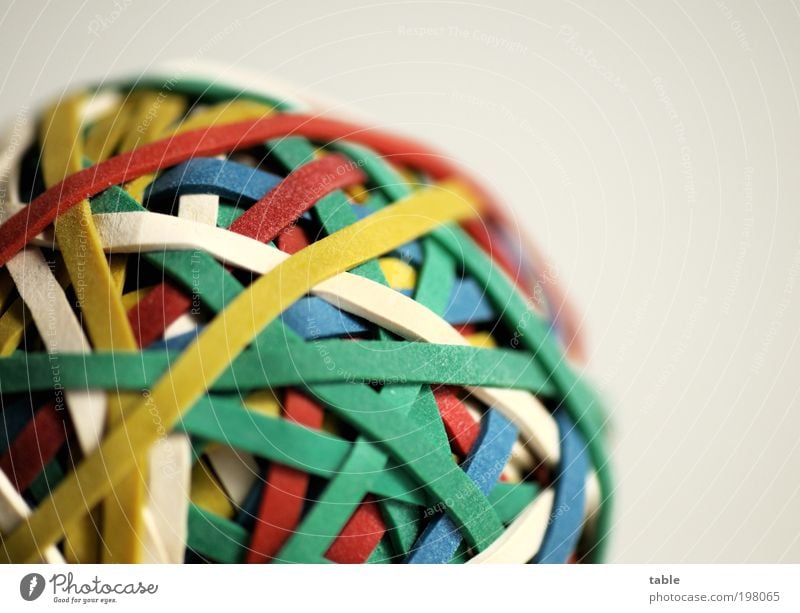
[292, 240]
[360, 535]
[45, 434]
[284, 491]
[296, 194]
[461, 427]
[165, 300]
[19, 229]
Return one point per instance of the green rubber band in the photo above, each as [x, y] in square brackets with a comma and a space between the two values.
[227, 214]
[225, 541]
[289, 364]
[225, 420]
[328, 516]
[215, 537]
[46, 481]
[446, 482]
[383, 553]
[402, 518]
[200, 89]
[436, 277]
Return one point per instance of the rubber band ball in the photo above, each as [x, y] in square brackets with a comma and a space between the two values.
[236, 327]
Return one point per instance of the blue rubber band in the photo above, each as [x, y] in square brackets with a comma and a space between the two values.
[230, 180]
[566, 518]
[441, 538]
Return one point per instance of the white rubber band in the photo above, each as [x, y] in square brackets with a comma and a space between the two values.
[523, 538]
[54, 318]
[145, 231]
[13, 510]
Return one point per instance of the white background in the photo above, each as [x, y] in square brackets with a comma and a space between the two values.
[652, 149]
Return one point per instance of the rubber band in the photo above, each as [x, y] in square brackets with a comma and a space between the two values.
[13, 512]
[569, 502]
[45, 433]
[293, 196]
[391, 227]
[100, 302]
[170, 459]
[207, 492]
[440, 539]
[237, 183]
[461, 428]
[168, 498]
[298, 363]
[359, 537]
[284, 490]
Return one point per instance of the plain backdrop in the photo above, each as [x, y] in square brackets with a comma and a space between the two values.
[651, 148]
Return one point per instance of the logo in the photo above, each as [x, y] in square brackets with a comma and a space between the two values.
[31, 586]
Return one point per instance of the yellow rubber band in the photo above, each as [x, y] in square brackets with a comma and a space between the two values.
[154, 114]
[6, 287]
[264, 401]
[207, 492]
[220, 342]
[399, 275]
[104, 136]
[225, 112]
[482, 339]
[12, 326]
[104, 316]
